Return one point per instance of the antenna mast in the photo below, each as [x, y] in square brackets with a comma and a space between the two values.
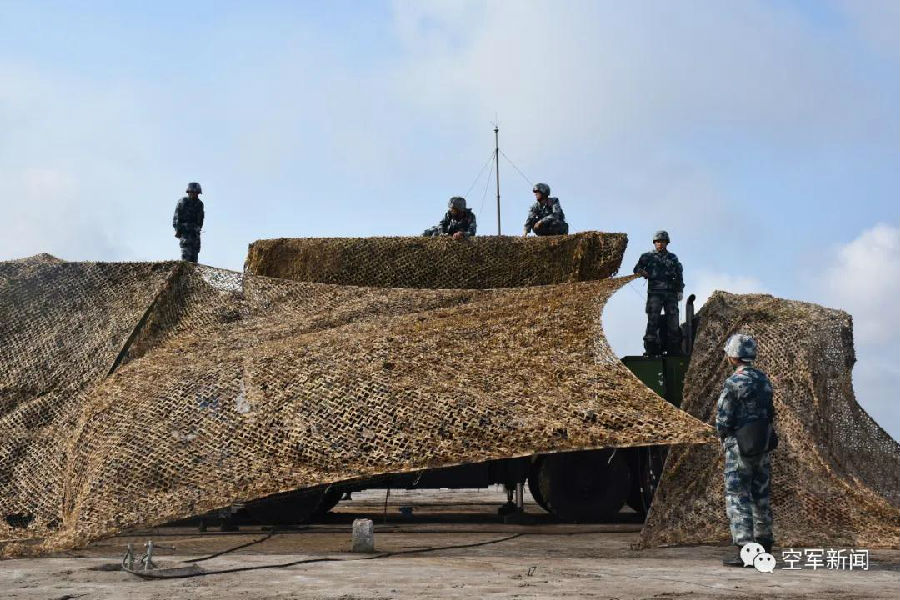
[497, 168]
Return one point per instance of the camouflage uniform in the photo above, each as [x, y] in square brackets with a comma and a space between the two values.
[665, 283]
[746, 397]
[450, 225]
[549, 215]
[187, 222]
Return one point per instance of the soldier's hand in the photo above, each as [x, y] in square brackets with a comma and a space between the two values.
[537, 226]
[644, 274]
[680, 296]
[458, 235]
[176, 234]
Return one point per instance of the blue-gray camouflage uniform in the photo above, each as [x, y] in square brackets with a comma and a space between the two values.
[746, 397]
[546, 218]
[665, 281]
[449, 225]
[187, 222]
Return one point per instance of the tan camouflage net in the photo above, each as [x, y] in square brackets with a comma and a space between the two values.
[475, 263]
[836, 473]
[135, 394]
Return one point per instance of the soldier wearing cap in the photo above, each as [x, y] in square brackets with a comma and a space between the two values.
[545, 217]
[665, 288]
[188, 221]
[459, 222]
[744, 421]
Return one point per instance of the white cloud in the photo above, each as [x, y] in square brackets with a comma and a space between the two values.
[708, 282]
[864, 279]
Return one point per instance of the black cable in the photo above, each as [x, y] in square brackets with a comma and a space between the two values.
[525, 177]
[149, 574]
[490, 158]
[486, 186]
[251, 543]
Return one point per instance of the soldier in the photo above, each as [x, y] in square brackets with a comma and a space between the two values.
[188, 221]
[744, 418]
[459, 222]
[545, 217]
[665, 288]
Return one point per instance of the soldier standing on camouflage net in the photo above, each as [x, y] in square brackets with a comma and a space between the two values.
[188, 221]
[745, 402]
[665, 288]
[459, 222]
[545, 217]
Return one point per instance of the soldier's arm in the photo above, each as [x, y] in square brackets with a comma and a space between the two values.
[725, 412]
[531, 220]
[473, 225]
[200, 217]
[679, 277]
[177, 216]
[641, 267]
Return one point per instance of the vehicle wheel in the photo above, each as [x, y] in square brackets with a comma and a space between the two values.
[585, 486]
[290, 508]
[646, 474]
[533, 485]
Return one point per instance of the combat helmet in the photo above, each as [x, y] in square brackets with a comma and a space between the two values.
[741, 346]
[661, 236]
[543, 188]
[457, 202]
[194, 187]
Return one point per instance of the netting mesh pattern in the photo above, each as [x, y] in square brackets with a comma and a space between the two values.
[475, 263]
[134, 394]
[836, 473]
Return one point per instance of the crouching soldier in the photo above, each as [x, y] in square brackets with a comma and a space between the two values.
[545, 217]
[744, 417]
[188, 221]
[665, 287]
[459, 222]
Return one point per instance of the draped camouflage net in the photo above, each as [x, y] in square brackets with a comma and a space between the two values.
[474, 263]
[835, 474]
[133, 394]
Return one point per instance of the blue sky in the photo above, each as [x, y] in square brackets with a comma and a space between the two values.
[762, 135]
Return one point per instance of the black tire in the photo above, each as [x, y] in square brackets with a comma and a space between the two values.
[584, 486]
[291, 508]
[533, 485]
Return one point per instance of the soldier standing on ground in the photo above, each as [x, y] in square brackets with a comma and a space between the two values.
[459, 222]
[188, 221]
[744, 417]
[665, 288]
[545, 217]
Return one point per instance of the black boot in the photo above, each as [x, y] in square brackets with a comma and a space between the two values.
[733, 559]
[767, 543]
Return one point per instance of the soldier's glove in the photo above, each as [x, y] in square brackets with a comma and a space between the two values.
[680, 296]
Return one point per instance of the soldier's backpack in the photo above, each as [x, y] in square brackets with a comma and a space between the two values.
[756, 437]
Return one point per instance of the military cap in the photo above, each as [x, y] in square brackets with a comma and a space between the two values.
[194, 187]
[457, 202]
[661, 236]
[542, 188]
[741, 346]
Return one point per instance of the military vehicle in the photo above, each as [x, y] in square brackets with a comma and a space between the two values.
[579, 486]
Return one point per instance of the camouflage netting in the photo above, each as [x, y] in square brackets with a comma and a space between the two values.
[836, 473]
[475, 263]
[135, 394]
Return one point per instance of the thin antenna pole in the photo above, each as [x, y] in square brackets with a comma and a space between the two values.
[497, 163]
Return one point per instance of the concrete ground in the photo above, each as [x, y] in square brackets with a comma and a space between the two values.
[452, 546]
